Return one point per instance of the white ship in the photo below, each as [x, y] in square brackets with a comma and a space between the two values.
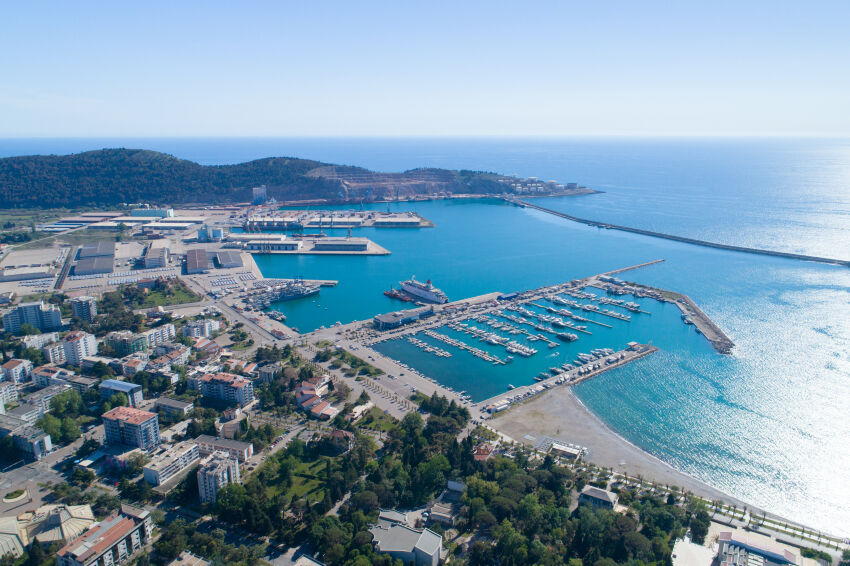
[424, 291]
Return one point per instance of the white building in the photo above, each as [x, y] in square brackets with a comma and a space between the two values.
[84, 308]
[16, 371]
[112, 541]
[159, 335]
[169, 462]
[203, 328]
[72, 349]
[38, 314]
[216, 471]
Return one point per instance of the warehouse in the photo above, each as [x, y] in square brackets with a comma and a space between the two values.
[97, 249]
[227, 259]
[341, 245]
[94, 266]
[197, 261]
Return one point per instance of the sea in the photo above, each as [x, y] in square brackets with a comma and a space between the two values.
[769, 424]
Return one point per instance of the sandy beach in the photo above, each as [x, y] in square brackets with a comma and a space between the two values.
[558, 413]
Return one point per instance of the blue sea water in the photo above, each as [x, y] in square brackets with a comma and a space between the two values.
[768, 424]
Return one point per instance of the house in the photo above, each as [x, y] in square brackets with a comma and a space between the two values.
[268, 372]
[597, 497]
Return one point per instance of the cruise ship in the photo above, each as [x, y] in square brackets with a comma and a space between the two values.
[424, 291]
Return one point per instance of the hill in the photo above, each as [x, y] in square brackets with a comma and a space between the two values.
[113, 176]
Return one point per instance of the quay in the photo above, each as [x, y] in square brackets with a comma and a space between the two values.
[297, 220]
[570, 377]
[694, 241]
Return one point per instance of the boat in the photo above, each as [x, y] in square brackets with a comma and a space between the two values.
[424, 291]
[566, 336]
[510, 387]
[396, 294]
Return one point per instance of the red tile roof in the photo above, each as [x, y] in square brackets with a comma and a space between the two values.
[128, 415]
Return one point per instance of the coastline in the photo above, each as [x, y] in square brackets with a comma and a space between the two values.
[579, 425]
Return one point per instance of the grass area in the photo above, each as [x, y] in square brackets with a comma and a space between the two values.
[176, 294]
[376, 420]
[307, 482]
[358, 365]
[14, 494]
[322, 344]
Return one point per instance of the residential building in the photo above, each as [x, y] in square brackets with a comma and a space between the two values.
[268, 371]
[84, 308]
[174, 407]
[71, 349]
[40, 340]
[47, 524]
[16, 371]
[204, 327]
[46, 375]
[421, 547]
[110, 387]
[124, 342]
[226, 387]
[81, 383]
[131, 364]
[131, 427]
[169, 462]
[241, 451]
[32, 442]
[8, 393]
[159, 335]
[44, 317]
[112, 541]
[26, 413]
[42, 397]
[216, 471]
[597, 497]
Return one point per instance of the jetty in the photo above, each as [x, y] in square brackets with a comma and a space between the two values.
[568, 377]
[675, 238]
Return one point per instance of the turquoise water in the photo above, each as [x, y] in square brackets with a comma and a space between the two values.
[758, 424]
[768, 424]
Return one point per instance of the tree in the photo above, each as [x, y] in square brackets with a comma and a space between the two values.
[70, 430]
[51, 425]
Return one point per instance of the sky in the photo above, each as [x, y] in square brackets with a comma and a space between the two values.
[325, 68]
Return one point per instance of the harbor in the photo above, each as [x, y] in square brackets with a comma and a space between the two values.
[527, 341]
[299, 220]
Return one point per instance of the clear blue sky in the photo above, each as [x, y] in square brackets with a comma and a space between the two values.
[182, 68]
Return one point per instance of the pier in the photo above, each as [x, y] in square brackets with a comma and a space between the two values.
[570, 377]
[694, 241]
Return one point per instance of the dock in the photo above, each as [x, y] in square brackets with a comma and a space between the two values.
[569, 377]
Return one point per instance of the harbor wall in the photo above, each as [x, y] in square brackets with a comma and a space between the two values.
[682, 239]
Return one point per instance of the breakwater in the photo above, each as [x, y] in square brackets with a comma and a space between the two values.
[676, 238]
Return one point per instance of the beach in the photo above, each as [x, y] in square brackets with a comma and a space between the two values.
[576, 424]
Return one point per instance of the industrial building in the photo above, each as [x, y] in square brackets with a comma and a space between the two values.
[227, 259]
[341, 245]
[154, 212]
[197, 261]
[281, 245]
[259, 195]
[157, 254]
[97, 249]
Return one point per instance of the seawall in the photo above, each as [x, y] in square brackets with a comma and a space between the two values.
[682, 239]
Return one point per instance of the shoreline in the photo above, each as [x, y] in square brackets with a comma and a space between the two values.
[577, 424]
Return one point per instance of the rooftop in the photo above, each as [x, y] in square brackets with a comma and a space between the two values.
[129, 415]
[120, 385]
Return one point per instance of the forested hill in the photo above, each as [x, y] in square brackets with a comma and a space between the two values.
[114, 176]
